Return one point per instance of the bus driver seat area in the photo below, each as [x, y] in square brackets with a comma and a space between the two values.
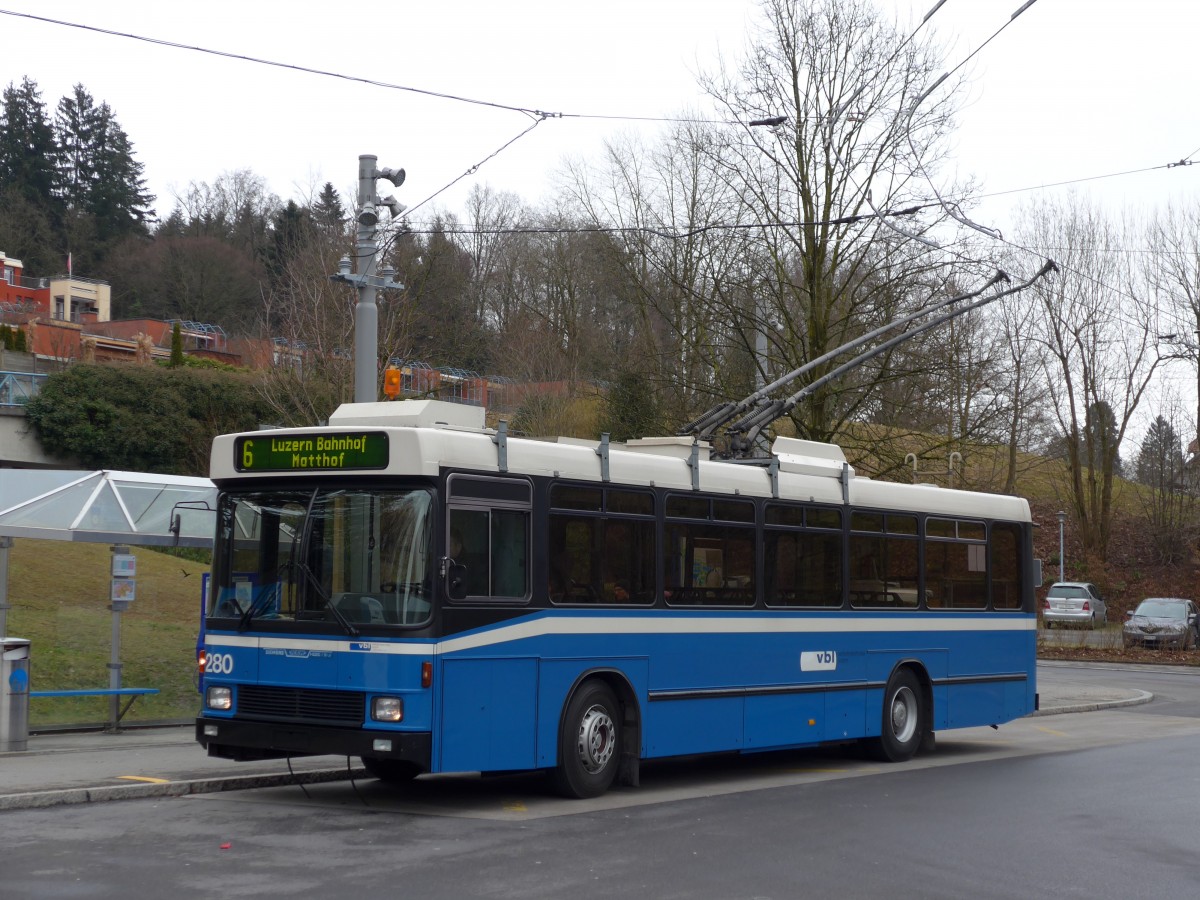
[361, 608]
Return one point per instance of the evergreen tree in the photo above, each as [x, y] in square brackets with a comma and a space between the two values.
[174, 225]
[118, 199]
[1101, 437]
[328, 212]
[27, 232]
[1160, 460]
[28, 150]
[99, 178]
[631, 409]
[76, 127]
[291, 232]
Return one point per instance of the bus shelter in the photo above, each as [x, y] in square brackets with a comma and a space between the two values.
[101, 506]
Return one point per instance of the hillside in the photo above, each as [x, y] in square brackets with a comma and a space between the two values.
[1132, 570]
[58, 594]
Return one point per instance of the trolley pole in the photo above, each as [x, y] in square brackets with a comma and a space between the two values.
[366, 249]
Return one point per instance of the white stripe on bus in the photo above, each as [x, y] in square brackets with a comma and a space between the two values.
[547, 626]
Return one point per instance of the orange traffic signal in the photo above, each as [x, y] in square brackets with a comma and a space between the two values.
[391, 382]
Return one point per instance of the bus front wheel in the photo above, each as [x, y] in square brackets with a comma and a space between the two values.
[391, 771]
[904, 722]
[589, 744]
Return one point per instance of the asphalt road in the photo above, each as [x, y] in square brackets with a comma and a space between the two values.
[1096, 804]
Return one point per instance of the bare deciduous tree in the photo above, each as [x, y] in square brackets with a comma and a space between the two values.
[1099, 329]
[856, 139]
[738, 234]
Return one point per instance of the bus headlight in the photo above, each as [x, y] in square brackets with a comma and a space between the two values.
[387, 709]
[218, 696]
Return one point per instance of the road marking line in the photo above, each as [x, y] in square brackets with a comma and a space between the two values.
[144, 778]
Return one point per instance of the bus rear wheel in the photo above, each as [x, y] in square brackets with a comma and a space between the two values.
[391, 771]
[904, 724]
[589, 744]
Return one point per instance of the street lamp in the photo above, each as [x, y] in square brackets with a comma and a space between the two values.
[1062, 559]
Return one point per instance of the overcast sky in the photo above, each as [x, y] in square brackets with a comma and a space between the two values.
[1072, 89]
[1094, 92]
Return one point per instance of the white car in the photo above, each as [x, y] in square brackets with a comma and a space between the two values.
[1074, 603]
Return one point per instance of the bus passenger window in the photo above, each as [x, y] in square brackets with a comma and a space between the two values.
[601, 559]
[807, 569]
[1006, 566]
[509, 553]
[493, 546]
[468, 547]
[883, 571]
[709, 565]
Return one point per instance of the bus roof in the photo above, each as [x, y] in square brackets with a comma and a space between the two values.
[425, 437]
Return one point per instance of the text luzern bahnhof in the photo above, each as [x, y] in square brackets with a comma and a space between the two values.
[291, 452]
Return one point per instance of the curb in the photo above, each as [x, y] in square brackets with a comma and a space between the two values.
[70, 796]
[1142, 697]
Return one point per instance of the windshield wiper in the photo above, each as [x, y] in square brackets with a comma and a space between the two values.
[315, 584]
[256, 605]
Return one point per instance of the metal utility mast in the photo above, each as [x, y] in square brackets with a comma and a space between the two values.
[366, 312]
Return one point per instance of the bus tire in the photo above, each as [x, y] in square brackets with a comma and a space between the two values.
[390, 771]
[904, 725]
[589, 742]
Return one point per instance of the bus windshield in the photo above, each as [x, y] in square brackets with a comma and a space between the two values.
[349, 557]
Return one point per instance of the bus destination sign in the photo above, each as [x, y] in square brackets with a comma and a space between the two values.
[338, 451]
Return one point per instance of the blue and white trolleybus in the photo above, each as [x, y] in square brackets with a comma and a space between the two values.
[407, 586]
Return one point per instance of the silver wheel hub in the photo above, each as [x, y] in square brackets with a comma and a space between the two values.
[595, 744]
[904, 715]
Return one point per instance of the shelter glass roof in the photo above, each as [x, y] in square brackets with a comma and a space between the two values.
[107, 506]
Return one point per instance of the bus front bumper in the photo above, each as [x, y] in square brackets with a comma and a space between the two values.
[242, 739]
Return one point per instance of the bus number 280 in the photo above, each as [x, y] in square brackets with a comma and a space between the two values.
[219, 664]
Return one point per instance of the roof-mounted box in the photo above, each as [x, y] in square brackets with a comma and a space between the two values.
[410, 413]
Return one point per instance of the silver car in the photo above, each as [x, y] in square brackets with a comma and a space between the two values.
[1074, 603]
[1163, 622]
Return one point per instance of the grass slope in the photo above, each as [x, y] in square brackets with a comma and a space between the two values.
[58, 593]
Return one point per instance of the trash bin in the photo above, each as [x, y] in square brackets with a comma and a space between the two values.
[14, 694]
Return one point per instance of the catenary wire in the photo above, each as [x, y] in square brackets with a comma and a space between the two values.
[542, 115]
[325, 73]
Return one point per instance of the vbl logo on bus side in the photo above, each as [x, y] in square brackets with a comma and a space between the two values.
[818, 661]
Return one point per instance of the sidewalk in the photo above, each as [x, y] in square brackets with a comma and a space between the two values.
[84, 767]
[64, 768]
